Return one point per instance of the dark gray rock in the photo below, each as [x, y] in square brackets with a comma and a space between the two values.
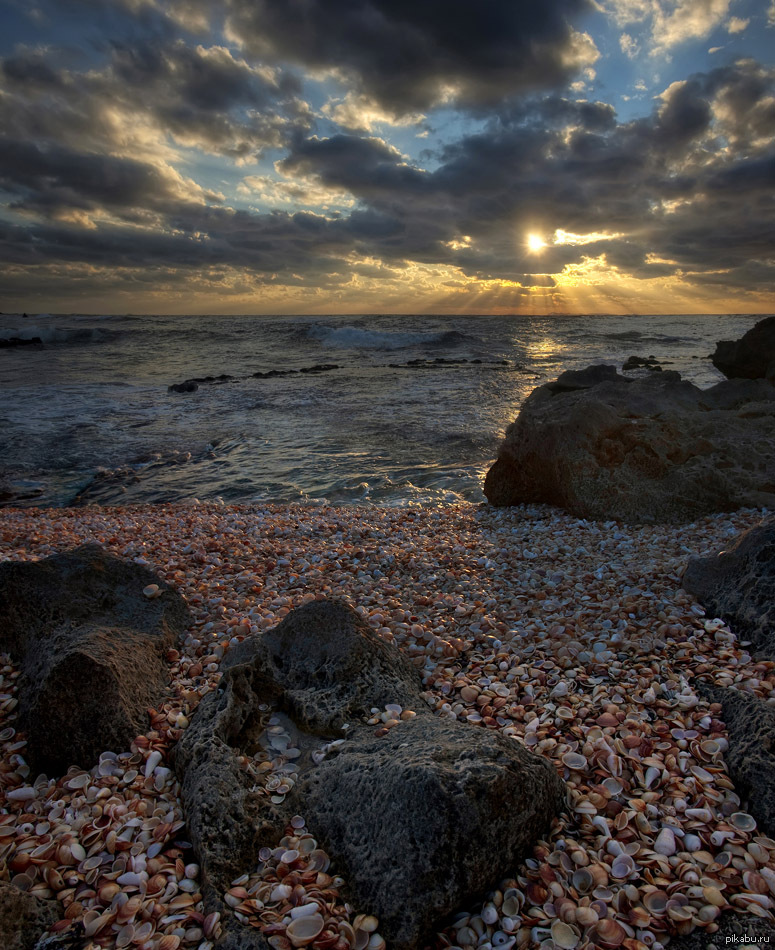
[750, 357]
[187, 386]
[757, 931]
[750, 757]
[418, 821]
[641, 362]
[650, 450]
[428, 817]
[92, 651]
[331, 666]
[24, 918]
[738, 585]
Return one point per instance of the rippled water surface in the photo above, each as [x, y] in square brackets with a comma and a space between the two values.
[412, 412]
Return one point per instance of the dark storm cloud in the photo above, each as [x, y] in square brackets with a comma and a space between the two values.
[204, 97]
[54, 179]
[407, 54]
[661, 182]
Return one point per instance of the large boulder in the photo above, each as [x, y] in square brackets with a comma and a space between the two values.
[750, 357]
[420, 818]
[24, 918]
[738, 585]
[750, 758]
[91, 645]
[654, 449]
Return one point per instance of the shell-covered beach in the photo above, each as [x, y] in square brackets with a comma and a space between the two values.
[573, 638]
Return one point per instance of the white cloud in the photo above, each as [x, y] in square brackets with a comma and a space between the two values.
[771, 14]
[675, 23]
[628, 45]
[736, 24]
[668, 23]
[361, 112]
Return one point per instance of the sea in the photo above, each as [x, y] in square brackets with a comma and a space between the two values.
[341, 409]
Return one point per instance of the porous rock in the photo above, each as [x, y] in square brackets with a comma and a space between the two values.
[733, 929]
[651, 450]
[750, 357]
[750, 758]
[24, 918]
[428, 817]
[91, 646]
[738, 585]
[418, 821]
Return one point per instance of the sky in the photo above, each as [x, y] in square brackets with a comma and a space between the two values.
[387, 156]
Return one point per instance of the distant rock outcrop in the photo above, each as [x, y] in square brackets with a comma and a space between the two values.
[642, 362]
[90, 632]
[654, 449]
[15, 342]
[419, 818]
[750, 357]
[738, 585]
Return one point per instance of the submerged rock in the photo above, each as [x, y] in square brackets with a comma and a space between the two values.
[642, 362]
[738, 585]
[750, 357]
[419, 818]
[91, 646]
[654, 449]
[24, 918]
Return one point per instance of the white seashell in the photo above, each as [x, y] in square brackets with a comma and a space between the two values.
[151, 762]
[24, 794]
[665, 842]
[564, 935]
[303, 930]
[622, 867]
[489, 914]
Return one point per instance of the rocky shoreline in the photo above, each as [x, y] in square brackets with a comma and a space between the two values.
[572, 639]
[234, 728]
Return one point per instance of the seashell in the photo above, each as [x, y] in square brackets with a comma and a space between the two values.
[655, 902]
[582, 880]
[376, 942]
[503, 940]
[699, 814]
[708, 913]
[366, 923]
[613, 786]
[692, 842]
[573, 760]
[702, 775]
[564, 935]
[622, 867]
[303, 930]
[512, 905]
[489, 914]
[169, 942]
[125, 936]
[742, 821]
[152, 591]
[665, 842]
[586, 916]
[608, 933]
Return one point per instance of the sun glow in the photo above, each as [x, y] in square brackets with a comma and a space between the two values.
[535, 243]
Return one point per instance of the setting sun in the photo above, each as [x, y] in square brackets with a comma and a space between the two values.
[535, 243]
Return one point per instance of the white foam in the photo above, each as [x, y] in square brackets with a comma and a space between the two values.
[358, 338]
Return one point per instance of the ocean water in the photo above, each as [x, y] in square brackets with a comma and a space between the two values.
[388, 410]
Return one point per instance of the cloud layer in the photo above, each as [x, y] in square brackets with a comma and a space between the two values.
[272, 153]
